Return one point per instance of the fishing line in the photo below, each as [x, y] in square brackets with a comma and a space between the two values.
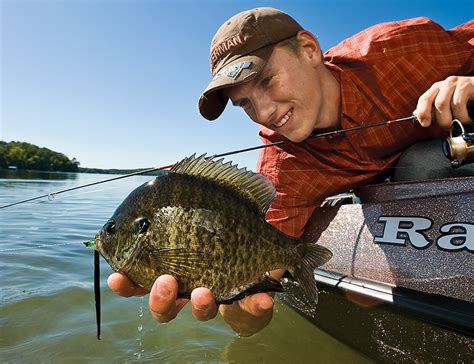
[37, 247]
[52, 195]
[92, 191]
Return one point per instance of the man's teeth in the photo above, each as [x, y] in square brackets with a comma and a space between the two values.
[284, 119]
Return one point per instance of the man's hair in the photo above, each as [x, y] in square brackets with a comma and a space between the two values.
[291, 44]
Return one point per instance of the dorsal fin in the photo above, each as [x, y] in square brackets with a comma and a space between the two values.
[253, 187]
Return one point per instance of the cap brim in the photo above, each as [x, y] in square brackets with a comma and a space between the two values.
[212, 102]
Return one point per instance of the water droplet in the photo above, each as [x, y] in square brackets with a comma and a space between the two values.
[138, 354]
[51, 197]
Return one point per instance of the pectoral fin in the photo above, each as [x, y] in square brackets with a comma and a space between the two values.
[178, 262]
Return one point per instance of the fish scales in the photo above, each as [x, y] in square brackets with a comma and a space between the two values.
[224, 238]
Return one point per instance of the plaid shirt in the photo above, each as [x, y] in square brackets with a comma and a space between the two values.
[382, 72]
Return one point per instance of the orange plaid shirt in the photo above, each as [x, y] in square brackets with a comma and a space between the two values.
[382, 72]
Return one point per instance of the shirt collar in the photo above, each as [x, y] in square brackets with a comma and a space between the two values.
[353, 109]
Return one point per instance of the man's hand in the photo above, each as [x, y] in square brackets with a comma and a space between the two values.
[449, 99]
[246, 317]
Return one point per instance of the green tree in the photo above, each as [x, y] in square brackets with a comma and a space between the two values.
[29, 156]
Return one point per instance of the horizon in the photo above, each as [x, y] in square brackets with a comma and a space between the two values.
[115, 83]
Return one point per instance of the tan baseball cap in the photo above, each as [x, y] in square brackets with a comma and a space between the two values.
[240, 49]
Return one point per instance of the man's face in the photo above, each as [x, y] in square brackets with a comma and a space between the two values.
[286, 96]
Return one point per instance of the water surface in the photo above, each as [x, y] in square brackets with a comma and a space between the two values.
[47, 300]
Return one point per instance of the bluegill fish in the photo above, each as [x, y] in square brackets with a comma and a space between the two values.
[204, 223]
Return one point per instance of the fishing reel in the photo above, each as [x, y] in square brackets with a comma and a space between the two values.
[459, 147]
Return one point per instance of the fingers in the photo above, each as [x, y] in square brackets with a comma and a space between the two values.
[442, 102]
[163, 304]
[257, 305]
[203, 305]
[462, 94]
[249, 315]
[246, 317]
[121, 285]
[425, 104]
[446, 100]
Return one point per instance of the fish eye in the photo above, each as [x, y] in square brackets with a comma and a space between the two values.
[109, 227]
[142, 225]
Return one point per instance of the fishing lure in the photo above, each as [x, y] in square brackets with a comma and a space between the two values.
[91, 244]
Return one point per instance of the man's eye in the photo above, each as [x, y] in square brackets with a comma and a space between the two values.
[244, 104]
[265, 81]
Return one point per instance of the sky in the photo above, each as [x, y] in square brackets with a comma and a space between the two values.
[115, 83]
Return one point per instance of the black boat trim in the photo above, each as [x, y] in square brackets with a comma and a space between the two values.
[447, 312]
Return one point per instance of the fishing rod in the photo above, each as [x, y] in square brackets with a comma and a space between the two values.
[51, 195]
[89, 244]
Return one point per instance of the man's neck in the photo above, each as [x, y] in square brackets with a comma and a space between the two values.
[331, 99]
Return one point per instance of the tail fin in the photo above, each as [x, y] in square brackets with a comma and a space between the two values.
[313, 256]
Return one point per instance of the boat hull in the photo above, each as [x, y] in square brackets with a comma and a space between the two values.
[400, 284]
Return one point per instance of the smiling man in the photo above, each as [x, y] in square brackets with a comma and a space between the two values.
[263, 61]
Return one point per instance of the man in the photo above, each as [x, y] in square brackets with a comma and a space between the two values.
[266, 63]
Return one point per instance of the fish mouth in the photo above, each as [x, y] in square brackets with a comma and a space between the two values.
[97, 241]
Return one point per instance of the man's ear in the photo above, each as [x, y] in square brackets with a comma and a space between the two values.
[309, 46]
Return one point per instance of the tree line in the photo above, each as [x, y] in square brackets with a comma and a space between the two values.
[24, 155]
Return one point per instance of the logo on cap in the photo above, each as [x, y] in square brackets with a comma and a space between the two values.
[233, 71]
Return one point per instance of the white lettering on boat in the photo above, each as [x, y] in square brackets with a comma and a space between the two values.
[449, 241]
[400, 230]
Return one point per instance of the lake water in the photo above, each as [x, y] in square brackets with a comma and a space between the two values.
[47, 300]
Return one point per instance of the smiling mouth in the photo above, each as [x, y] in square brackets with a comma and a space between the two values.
[284, 119]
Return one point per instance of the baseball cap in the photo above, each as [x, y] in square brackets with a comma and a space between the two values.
[240, 49]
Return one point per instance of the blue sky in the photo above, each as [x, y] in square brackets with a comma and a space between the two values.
[115, 83]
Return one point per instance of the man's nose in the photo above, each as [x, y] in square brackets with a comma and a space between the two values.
[265, 109]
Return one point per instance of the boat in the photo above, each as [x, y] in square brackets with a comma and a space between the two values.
[400, 285]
